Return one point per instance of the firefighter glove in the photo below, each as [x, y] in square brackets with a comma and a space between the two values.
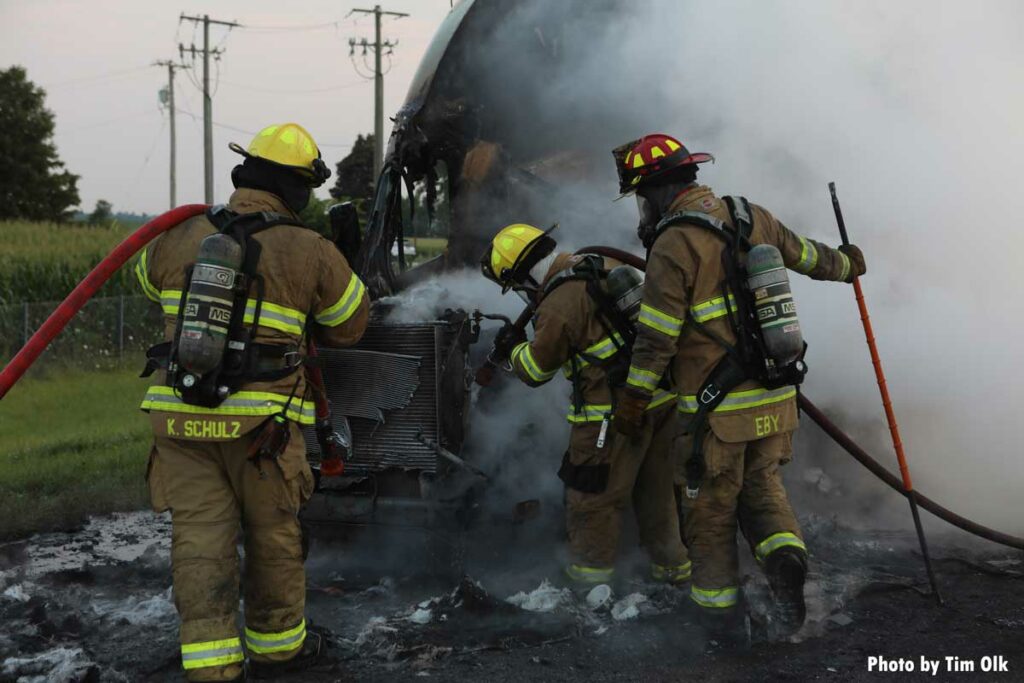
[508, 338]
[856, 256]
[629, 413]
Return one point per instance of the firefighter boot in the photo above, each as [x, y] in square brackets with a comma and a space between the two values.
[725, 629]
[786, 569]
[313, 654]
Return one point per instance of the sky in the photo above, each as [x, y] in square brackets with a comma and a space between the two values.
[94, 59]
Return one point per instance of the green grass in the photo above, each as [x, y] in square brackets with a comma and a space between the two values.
[71, 446]
[428, 247]
[44, 261]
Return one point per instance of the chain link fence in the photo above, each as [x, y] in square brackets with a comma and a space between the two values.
[107, 332]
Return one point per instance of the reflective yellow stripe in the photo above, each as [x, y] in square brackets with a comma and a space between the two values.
[642, 379]
[211, 653]
[808, 257]
[591, 412]
[161, 397]
[738, 400]
[142, 275]
[659, 320]
[272, 316]
[522, 356]
[845, 272]
[596, 412]
[279, 641]
[678, 573]
[718, 598]
[346, 306]
[589, 574]
[712, 308]
[769, 545]
[660, 398]
[600, 350]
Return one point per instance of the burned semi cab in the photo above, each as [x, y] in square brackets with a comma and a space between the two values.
[474, 147]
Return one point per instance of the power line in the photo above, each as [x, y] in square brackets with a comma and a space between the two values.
[258, 88]
[252, 132]
[377, 46]
[100, 77]
[207, 97]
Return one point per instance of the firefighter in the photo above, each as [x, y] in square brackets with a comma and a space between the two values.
[202, 467]
[602, 472]
[685, 332]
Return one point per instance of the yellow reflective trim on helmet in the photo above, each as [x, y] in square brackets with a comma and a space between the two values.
[671, 144]
[288, 144]
[638, 161]
[657, 152]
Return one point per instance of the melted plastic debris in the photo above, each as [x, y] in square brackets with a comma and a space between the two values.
[110, 540]
[544, 598]
[156, 610]
[16, 592]
[421, 616]
[599, 596]
[628, 607]
[58, 664]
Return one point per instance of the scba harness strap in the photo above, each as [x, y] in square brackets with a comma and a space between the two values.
[622, 333]
[748, 358]
[243, 360]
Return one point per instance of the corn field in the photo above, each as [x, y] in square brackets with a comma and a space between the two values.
[44, 261]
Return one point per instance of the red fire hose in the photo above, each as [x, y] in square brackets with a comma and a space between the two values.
[850, 446]
[89, 286]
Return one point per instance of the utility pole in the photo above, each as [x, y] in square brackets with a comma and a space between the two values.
[171, 66]
[205, 20]
[377, 46]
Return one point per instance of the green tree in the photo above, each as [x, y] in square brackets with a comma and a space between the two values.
[34, 184]
[102, 214]
[315, 215]
[355, 173]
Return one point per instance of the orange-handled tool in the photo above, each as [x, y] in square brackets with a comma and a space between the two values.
[890, 415]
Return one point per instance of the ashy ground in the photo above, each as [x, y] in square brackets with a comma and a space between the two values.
[97, 605]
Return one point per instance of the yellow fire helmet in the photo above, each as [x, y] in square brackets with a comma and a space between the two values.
[513, 251]
[289, 145]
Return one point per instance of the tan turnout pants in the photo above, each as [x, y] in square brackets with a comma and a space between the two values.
[742, 486]
[215, 493]
[639, 470]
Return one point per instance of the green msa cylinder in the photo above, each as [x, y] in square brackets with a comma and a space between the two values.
[768, 282]
[626, 287]
[207, 316]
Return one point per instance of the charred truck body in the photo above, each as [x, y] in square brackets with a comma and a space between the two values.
[475, 146]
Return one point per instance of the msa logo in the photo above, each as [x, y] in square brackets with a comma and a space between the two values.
[789, 308]
[191, 310]
[220, 315]
[766, 313]
[213, 275]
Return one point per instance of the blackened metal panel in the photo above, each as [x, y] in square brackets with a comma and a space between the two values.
[392, 443]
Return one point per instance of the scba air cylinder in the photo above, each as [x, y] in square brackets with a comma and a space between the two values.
[626, 287]
[773, 304]
[207, 315]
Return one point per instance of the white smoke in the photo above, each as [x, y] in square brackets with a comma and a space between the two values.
[914, 109]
